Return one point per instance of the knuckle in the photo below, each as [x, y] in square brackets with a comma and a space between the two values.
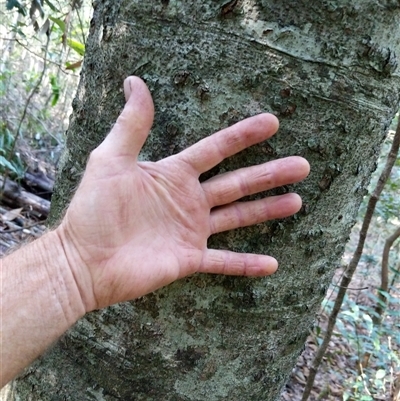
[96, 155]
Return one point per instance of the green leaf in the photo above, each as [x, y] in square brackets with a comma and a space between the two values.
[5, 163]
[58, 22]
[380, 374]
[15, 3]
[366, 398]
[77, 46]
[73, 66]
[55, 89]
[51, 5]
[385, 294]
[7, 139]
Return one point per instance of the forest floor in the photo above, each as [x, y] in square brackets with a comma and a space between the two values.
[362, 361]
[340, 374]
[339, 377]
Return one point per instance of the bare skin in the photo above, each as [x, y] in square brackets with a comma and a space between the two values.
[133, 227]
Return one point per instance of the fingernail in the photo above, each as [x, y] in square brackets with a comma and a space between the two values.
[127, 88]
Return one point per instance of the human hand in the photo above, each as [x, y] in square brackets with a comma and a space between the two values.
[133, 227]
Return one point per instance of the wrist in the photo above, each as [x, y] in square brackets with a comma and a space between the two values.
[39, 303]
[61, 276]
[79, 272]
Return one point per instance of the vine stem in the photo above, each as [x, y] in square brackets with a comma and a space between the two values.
[346, 279]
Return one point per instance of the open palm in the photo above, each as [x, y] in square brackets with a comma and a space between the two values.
[133, 227]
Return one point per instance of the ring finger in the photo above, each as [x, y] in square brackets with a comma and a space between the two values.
[229, 187]
[242, 214]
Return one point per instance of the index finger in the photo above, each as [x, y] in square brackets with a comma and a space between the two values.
[210, 151]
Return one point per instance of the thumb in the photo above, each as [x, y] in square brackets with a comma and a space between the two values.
[133, 125]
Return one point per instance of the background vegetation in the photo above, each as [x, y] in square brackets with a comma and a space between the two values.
[42, 45]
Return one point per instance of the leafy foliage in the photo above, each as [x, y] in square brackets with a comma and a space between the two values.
[10, 4]
[376, 348]
[42, 46]
[9, 161]
[371, 367]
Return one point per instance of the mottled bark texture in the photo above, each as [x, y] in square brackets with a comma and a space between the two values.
[328, 70]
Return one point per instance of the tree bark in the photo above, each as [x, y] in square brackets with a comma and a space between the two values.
[328, 70]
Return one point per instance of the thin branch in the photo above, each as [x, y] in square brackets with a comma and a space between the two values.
[60, 66]
[41, 57]
[384, 288]
[81, 25]
[391, 159]
[350, 288]
[13, 230]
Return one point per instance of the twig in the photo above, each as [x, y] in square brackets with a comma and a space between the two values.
[19, 229]
[391, 159]
[30, 50]
[81, 25]
[352, 289]
[59, 65]
[384, 288]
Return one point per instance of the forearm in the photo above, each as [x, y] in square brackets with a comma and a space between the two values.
[39, 301]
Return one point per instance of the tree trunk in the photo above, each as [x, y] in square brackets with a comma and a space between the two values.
[328, 70]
